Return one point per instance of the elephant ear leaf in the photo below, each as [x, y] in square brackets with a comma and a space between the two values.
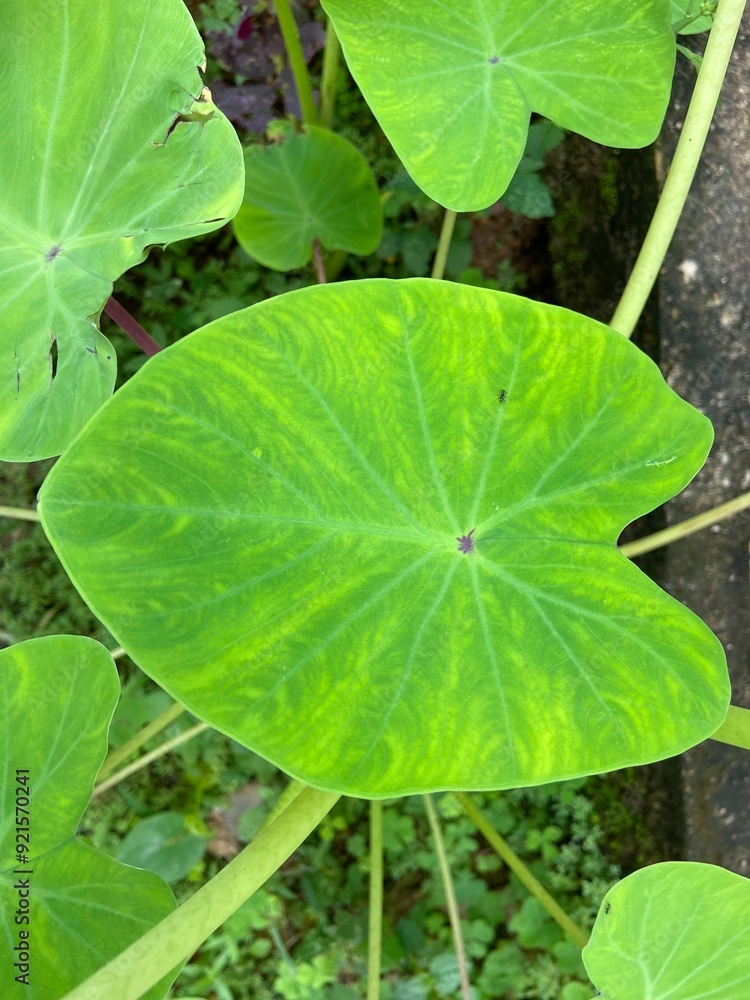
[453, 84]
[58, 696]
[112, 146]
[673, 931]
[393, 522]
[314, 186]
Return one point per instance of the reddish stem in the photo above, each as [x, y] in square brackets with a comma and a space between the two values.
[320, 270]
[132, 327]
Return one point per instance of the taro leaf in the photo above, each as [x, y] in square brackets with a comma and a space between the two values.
[679, 930]
[114, 148]
[267, 517]
[314, 185]
[684, 9]
[163, 844]
[453, 84]
[58, 695]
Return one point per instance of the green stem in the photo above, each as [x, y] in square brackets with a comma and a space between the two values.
[685, 528]
[335, 264]
[273, 930]
[450, 896]
[521, 871]
[375, 931]
[444, 244]
[329, 79]
[689, 18]
[681, 25]
[290, 793]
[19, 513]
[148, 758]
[122, 753]
[297, 62]
[139, 967]
[735, 729]
[684, 164]
[117, 652]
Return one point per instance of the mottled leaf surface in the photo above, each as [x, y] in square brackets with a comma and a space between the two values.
[674, 931]
[267, 517]
[453, 84]
[57, 696]
[109, 148]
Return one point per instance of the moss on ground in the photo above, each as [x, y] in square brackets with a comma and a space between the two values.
[640, 812]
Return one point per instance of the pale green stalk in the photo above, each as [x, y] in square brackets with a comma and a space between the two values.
[139, 967]
[148, 758]
[19, 513]
[685, 528]
[521, 871]
[444, 244]
[286, 798]
[335, 264]
[735, 729]
[684, 164]
[117, 652]
[330, 76]
[450, 896]
[375, 921]
[297, 62]
[122, 753]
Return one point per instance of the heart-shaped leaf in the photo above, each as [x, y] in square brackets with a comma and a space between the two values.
[369, 531]
[454, 84]
[315, 185]
[72, 907]
[673, 931]
[114, 148]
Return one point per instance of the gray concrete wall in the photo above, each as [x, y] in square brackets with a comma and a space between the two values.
[704, 306]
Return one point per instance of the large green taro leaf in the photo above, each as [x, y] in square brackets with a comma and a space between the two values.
[674, 931]
[109, 146]
[267, 519]
[453, 83]
[315, 185]
[73, 907]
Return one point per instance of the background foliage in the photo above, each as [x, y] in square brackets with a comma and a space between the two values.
[303, 937]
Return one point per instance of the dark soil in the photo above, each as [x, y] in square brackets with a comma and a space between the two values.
[523, 243]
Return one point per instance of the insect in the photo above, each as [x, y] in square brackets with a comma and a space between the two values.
[607, 908]
[466, 542]
[502, 396]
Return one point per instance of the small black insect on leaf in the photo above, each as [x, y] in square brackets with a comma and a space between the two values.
[607, 908]
[502, 396]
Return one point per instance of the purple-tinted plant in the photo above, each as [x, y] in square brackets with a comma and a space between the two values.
[258, 84]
